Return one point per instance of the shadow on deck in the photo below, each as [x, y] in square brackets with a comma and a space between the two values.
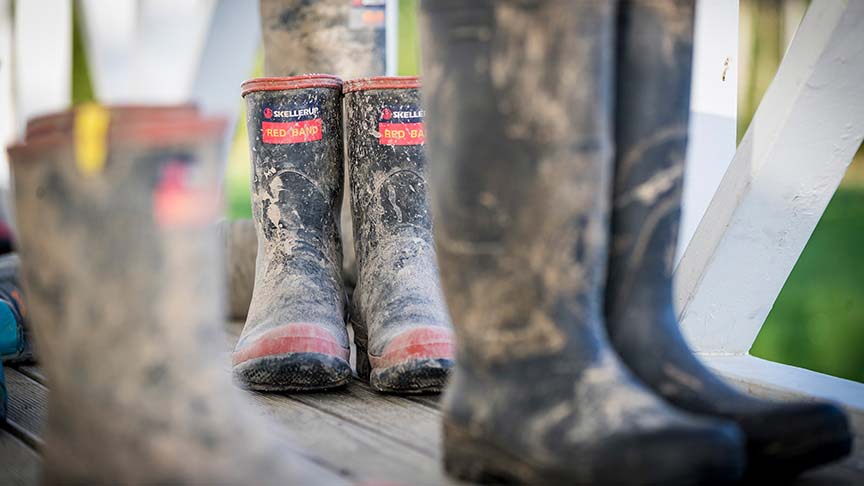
[363, 435]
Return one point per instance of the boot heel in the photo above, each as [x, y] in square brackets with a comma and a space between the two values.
[468, 459]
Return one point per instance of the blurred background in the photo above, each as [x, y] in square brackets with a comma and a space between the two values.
[818, 319]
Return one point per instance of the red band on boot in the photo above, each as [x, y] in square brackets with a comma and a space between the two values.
[292, 82]
[381, 82]
[419, 343]
[292, 338]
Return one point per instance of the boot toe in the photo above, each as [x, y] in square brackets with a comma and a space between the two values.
[788, 438]
[415, 361]
[292, 357]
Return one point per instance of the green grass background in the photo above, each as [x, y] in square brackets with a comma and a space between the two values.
[818, 319]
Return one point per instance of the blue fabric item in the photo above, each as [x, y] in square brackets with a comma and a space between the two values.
[10, 335]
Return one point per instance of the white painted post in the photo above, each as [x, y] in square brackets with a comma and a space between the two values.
[109, 30]
[168, 48]
[713, 110]
[227, 59]
[7, 105]
[145, 51]
[391, 25]
[42, 58]
[806, 130]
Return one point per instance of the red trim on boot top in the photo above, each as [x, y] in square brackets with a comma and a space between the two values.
[296, 337]
[419, 343]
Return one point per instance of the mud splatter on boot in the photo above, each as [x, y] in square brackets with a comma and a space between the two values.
[403, 335]
[519, 95]
[120, 264]
[295, 336]
[655, 47]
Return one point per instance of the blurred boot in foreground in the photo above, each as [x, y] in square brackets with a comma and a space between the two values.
[121, 269]
[404, 338]
[655, 48]
[309, 36]
[519, 96]
[295, 336]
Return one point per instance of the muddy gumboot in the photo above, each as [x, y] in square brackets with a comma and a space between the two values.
[295, 336]
[521, 197]
[655, 47]
[403, 335]
[121, 267]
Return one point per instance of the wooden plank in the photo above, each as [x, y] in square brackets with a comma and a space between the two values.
[33, 372]
[19, 464]
[353, 450]
[791, 160]
[28, 407]
[397, 418]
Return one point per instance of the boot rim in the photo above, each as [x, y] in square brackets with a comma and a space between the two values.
[381, 82]
[288, 83]
[151, 125]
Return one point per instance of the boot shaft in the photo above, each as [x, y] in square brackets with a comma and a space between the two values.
[653, 100]
[119, 245]
[520, 125]
[295, 137]
[386, 160]
[323, 36]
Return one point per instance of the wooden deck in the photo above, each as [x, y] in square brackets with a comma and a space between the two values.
[363, 435]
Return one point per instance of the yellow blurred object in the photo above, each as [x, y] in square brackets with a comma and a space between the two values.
[91, 130]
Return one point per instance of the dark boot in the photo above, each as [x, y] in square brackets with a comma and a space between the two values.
[295, 336]
[655, 44]
[520, 97]
[403, 335]
[121, 269]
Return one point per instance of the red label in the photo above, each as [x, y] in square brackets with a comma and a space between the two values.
[291, 132]
[401, 133]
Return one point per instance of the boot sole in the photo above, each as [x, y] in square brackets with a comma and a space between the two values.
[293, 372]
[470, 459]
[424, 375]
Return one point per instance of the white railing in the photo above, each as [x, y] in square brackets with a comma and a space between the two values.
[769, 199]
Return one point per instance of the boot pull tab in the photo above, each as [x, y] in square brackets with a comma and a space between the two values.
[91, 130]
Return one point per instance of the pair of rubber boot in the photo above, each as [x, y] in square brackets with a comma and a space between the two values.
[548, 119]
[295, 337]
[121, 266]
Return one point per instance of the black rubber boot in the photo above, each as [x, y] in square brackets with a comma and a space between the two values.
[655, 46]
[120, 264]
[519, 95]
[295, 336]
[403, 336]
